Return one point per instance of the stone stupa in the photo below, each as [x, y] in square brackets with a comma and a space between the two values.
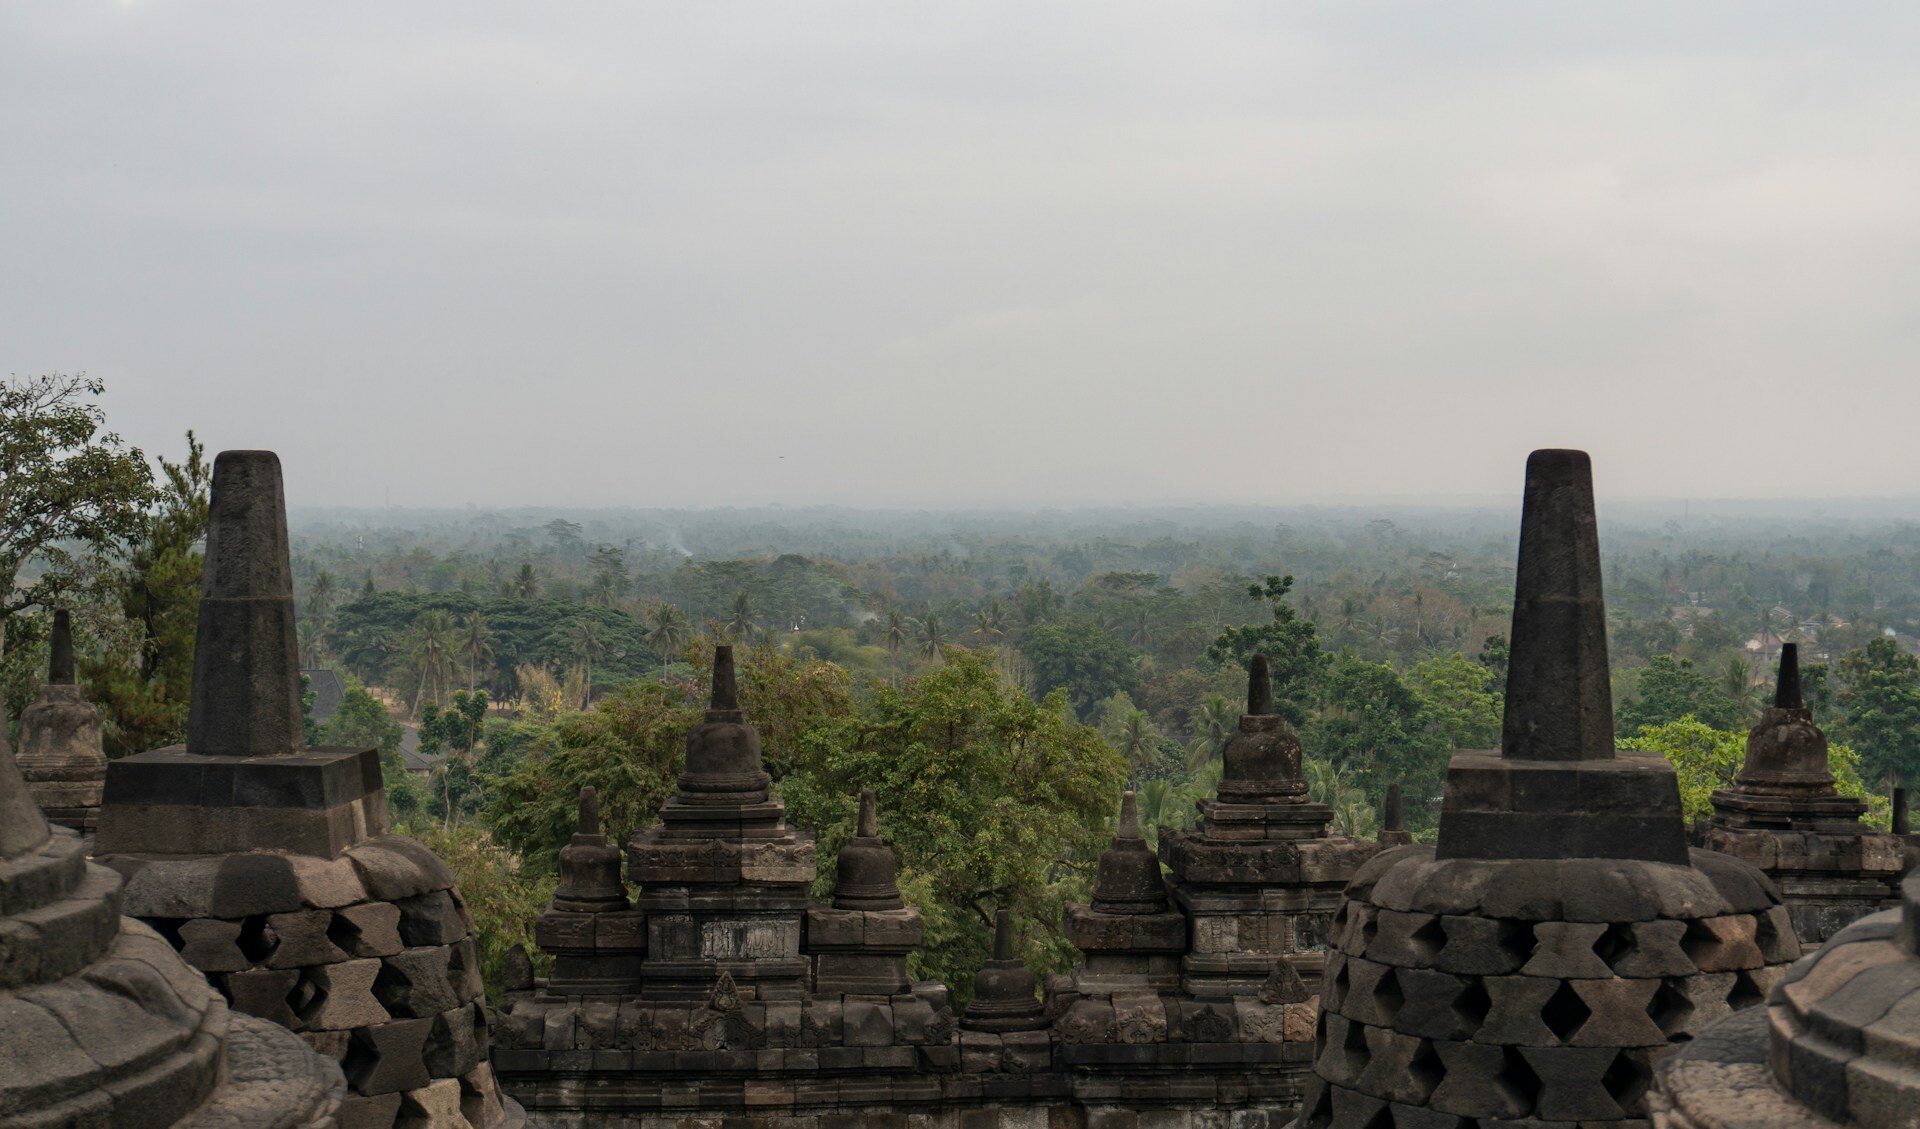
[1260, 878]
[1784, 815]
[61, 753]
[1561, 938]
[103, 1025]
[268, 863]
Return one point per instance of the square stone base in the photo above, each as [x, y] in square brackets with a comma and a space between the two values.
[171, 802]
[1627, 807]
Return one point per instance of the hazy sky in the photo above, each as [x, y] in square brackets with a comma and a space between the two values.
[732, 253]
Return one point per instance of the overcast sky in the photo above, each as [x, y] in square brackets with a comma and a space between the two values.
[933, 254]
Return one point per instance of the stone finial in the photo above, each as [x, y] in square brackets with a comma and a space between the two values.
[1129, 826]
[1259, 687]
[22, 827]
[1129, 880]
[1900, 826]
[726, 693]
[1559, 704]
[1786, 688]
[516, 970]
[1004, 991]
[868, 872]
[1391, 818]
[589, 811]
[246, 671]
[60, 667]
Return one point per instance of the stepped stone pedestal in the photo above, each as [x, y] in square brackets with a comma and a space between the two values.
[102, 1023]
[268, 865]
[1561, 940]
[61, 754]
[1784, 816]
[1259, 880]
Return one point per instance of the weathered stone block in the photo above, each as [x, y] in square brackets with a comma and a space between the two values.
[343, 996]
[300, 939]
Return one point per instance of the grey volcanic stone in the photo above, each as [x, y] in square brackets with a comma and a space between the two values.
[246, 672]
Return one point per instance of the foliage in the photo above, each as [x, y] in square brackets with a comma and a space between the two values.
[1290, 643]
[1081, 658]
[1670, 689]
[149, 585]
[1705, 759]
[1464, 703]
[1879, 700]
[504, 902]
[381, 640]
[65, 483]
[1377, 729]
[991, 799]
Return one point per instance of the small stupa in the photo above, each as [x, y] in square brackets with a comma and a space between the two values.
[1784, 815]
[61, 754]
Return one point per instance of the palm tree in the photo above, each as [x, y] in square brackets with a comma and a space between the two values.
[432, 644]
[740, 625]
[1736, 681]
[670, 634]
[987, 621]
[583, 637]
[1333, 786]
[1135, 740]
[933, 636]
[1215, 721]
[478, 644]
[526, 583]
[894, 633]
[320, 596]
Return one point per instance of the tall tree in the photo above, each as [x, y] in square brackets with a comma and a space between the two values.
[476, 642]
[65, 482]
[1289, 642]
[583, 638]
[670, 632]
[1879, 702]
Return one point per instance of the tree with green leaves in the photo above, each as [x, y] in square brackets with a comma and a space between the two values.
[1706, 759]
[933, 636]
[991, 800]
[476, 643]
[1879, 700]
[1215, 720]
[66, 484]
[1077, 655]
[1463, 701]
[1669, 689]
[669, 631]
[1369, 723]
[583, 638]
[1289, 642]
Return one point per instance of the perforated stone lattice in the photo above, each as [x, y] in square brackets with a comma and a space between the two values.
[1438, 1020]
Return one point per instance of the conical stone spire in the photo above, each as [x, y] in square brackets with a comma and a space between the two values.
[1393, 824]
[246, 667]
[60, 663]
[589, 866]
[723, 752]
[1557, 789]
[1786, 687]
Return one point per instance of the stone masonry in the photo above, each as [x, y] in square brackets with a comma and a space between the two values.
[60, 751]
[268, 866]
[103, 1026]
[1784, 816]
[1561, 939]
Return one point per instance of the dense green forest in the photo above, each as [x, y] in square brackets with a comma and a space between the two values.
[997, 677]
